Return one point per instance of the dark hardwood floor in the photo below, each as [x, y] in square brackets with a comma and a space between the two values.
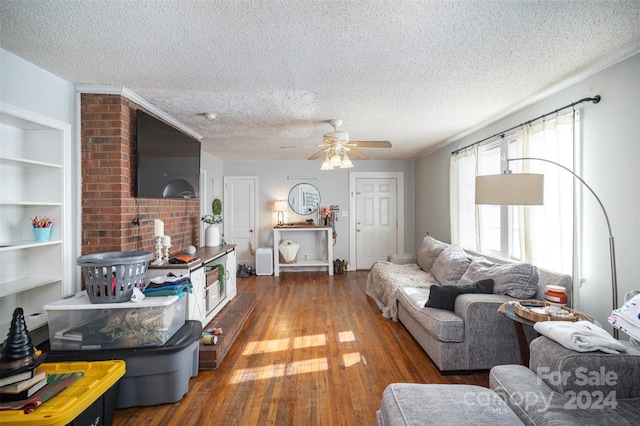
[315, 351]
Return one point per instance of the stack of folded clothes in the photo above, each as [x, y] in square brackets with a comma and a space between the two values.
[168, 285]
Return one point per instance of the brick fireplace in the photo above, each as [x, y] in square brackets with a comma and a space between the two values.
[109, 207]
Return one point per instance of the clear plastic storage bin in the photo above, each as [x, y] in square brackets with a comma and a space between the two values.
[76, 323]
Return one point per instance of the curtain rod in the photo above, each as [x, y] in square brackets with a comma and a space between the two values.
[595, 100]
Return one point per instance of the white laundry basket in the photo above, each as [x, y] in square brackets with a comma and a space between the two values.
[264, 261]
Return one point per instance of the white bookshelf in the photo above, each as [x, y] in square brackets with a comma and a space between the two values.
[34, 171]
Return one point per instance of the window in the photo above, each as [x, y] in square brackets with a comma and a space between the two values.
[498, 226]
[542, 235]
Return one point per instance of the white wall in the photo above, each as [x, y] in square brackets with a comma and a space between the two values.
[611, 166]
[333, 186]
[213, 167]
[27, 86]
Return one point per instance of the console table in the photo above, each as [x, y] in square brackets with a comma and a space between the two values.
[323, 260]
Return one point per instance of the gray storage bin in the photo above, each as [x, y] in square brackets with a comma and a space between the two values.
[155, 375]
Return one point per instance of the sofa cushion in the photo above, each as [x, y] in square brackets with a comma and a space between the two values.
[444, 296]
[608, 372]
[518, 280]
[429, 252]
[450, 265]
[437, 404]
[536, 404]
[444, 325]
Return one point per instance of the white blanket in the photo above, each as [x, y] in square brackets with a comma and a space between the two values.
[580, 336]
[289, 250]
[385, 278]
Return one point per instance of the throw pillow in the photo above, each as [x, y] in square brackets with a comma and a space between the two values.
[429, 252]
[444, 296]
[450, 265]
[518, 280]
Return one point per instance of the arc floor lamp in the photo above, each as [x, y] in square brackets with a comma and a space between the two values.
[528, 189]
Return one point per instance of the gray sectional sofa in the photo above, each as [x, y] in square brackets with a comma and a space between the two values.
[561, 387]
[473, 335]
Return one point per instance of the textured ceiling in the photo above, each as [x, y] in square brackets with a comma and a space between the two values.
[416, 73]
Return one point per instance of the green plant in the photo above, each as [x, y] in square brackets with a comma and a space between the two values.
[216, 217]
[221, 278]
[216, 207]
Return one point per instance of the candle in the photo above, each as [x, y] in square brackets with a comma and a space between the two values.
[166, 240]
[158, 228]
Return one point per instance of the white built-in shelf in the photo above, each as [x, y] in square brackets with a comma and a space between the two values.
[17, 286]
[35, 321]
[28, 203]
[35, 169]
[25, 162]
[18, 245]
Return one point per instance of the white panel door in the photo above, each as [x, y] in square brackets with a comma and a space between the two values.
[376, 220]
[240, 216]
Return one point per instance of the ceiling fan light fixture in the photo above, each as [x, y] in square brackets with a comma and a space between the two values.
[346, 162]
[335, 160]
[336, 144]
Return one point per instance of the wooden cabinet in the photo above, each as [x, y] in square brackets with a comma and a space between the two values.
[35, 167]
[209, 296]
[321, 245]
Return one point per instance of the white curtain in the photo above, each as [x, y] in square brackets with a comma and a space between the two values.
[462, 208]
[546, 234]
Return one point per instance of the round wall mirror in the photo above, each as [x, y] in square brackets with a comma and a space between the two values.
[304, 198]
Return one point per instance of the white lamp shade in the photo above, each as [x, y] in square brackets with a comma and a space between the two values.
[335, 160]
[280, 206]
[510, 189]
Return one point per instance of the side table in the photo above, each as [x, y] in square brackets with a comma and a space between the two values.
[507, 310]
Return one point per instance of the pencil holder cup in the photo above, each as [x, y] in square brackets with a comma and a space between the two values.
[42, 234]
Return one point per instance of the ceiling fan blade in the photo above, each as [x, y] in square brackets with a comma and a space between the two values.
[318, 154]
[357, 155]
[370, 144]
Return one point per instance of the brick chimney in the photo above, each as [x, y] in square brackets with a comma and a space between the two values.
[109, 207]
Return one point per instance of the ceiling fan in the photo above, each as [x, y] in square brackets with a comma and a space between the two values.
[337, 144]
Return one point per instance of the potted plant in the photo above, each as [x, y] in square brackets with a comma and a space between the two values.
[212, 232]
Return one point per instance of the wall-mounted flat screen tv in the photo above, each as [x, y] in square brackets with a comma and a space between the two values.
[168, 160]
